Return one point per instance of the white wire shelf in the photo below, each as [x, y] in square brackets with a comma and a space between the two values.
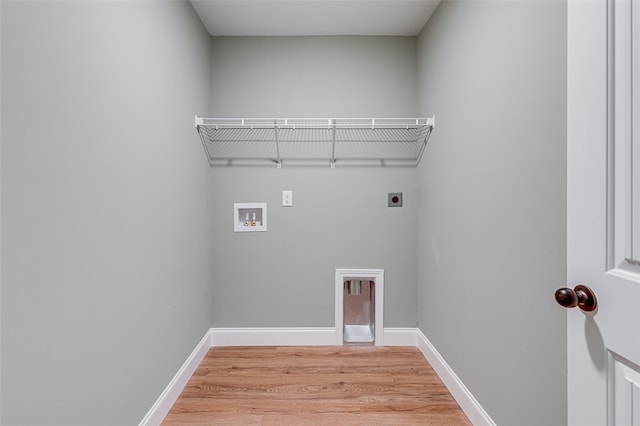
[374, 141]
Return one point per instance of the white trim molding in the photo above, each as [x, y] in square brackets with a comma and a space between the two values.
[168, 397]
[375, 275]
[471, 407]
[277, 336]
[400, 337]
[313, 336]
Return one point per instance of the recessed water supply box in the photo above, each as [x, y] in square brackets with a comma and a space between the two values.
[249, 217]
[359, 306]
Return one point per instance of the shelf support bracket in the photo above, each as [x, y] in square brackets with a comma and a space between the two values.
[423, 144]
[333, 145]
[277, 133]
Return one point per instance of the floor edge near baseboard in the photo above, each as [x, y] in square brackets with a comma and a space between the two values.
[312, 336]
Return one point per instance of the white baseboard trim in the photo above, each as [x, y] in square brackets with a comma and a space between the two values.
[312, 336]
[277, 336]
[168, 397]
[471, 407]
[299, 336]
[400, 337]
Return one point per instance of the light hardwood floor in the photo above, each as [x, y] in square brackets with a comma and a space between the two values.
[334, 385]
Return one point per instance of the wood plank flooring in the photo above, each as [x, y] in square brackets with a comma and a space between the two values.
[335, 385]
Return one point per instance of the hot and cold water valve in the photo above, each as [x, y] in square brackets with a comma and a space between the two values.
[249, 217]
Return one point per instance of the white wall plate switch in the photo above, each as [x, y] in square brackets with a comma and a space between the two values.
[287, 198]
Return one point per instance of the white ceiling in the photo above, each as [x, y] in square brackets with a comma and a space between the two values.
[314, 17]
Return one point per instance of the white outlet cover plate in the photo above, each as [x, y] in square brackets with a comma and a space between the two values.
[287, 198]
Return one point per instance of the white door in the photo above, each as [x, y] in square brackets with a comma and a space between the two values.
[604, 210]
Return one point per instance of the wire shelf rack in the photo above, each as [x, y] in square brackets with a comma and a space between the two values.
[371, 141]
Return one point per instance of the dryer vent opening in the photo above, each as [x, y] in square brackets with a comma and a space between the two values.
[359, 311]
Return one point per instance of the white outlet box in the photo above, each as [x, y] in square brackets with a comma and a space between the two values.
[249, 217]
[287, 198]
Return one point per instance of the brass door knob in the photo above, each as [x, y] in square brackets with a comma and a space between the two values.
[581, 296]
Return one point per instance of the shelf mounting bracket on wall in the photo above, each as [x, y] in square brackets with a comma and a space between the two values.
[333, 145]
[277, 131]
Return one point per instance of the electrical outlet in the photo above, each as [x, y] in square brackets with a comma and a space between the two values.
[394, 199]
[287, 198]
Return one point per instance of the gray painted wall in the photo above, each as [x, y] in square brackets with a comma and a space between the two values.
[113, 234]
[492, 192]
[106, 207]
[340, 218]
[333, 77]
